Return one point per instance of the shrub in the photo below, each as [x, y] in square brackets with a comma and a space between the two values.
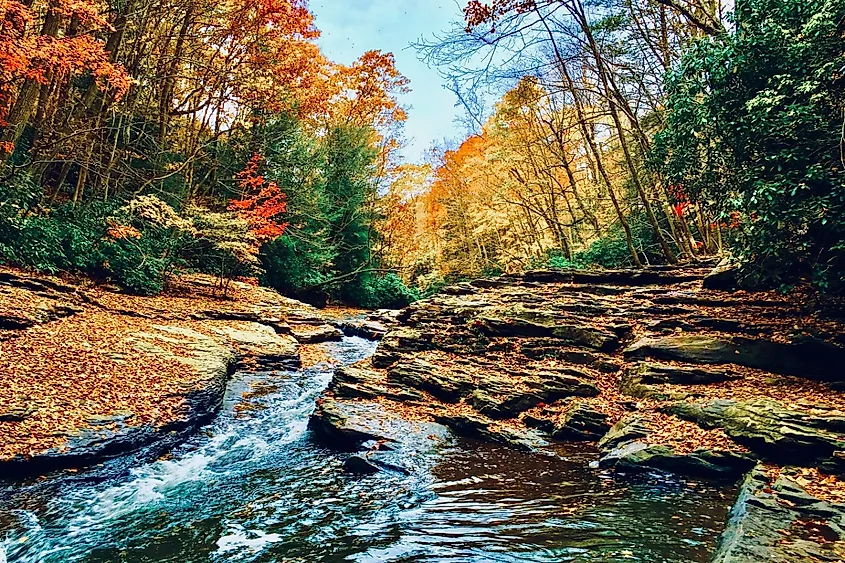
[611, 250]
[223, 245]
[372, 291]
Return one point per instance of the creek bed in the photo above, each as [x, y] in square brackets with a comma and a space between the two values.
[254, 486]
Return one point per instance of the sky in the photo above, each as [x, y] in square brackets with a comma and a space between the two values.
[351, 27]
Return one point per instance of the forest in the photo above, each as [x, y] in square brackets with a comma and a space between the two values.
[263, 299]
[142, 138]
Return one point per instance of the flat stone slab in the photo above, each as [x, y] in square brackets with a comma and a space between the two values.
[807, 357]
[779, 522]
[772, 431]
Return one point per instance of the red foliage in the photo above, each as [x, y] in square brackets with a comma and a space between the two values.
[263, 202]
[682, 202]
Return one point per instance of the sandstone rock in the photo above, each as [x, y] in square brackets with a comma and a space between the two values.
[503, 407]
[16, 413]
[270, 349]
[522, 322]
[580, 423]
[640, 456]
[447, 384]
[480, 427]
[310, 334]
[115, 434]
[369, 330]
[656, 374]
[624, 447]
[400, 341]
[772, 431]
[346, 426]
[807, 357]
[613, 277]
[723, 276]
[550, 386]
[779, 522]
[359, 465]
[459, 289]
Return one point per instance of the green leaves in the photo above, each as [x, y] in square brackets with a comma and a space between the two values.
[754, 124]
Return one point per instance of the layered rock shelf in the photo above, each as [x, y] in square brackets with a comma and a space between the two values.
[90, 374]
[658, 371]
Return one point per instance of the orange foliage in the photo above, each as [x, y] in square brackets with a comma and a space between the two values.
[40, 58]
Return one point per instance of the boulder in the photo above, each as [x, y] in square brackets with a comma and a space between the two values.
[261, 342]
[347, 426]
[779, 522]
[520, 321]
[640, 456]
[723, 277]
[399, 341]
[503, 406]
[359, 465]
[551, 386]
[625, 447]
[369, 330]
[116, 434]
[482, 428]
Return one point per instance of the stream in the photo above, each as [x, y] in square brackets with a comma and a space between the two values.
[253, 486]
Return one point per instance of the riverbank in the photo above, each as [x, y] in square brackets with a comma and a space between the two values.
[90, 373]
[659, 372]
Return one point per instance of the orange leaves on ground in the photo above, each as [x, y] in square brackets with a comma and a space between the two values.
[263, 202]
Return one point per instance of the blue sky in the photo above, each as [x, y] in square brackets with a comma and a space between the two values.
[351, 27]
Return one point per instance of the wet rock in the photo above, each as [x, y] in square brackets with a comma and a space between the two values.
[116, 434]
[772, 431]
[309, 334]
[580, 423]
[806, 357]
[352, 382]
[640, 456]
[346, 426]
[624, 448]
[447, 384]
[629, 429]
[359, 465]
[480, 427]
[779, 522]
[369, 330]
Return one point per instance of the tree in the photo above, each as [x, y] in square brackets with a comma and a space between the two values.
[753, 130]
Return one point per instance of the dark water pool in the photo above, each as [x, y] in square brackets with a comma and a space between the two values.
[254, 487]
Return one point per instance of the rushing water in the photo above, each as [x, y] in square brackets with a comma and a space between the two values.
[254, 487]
